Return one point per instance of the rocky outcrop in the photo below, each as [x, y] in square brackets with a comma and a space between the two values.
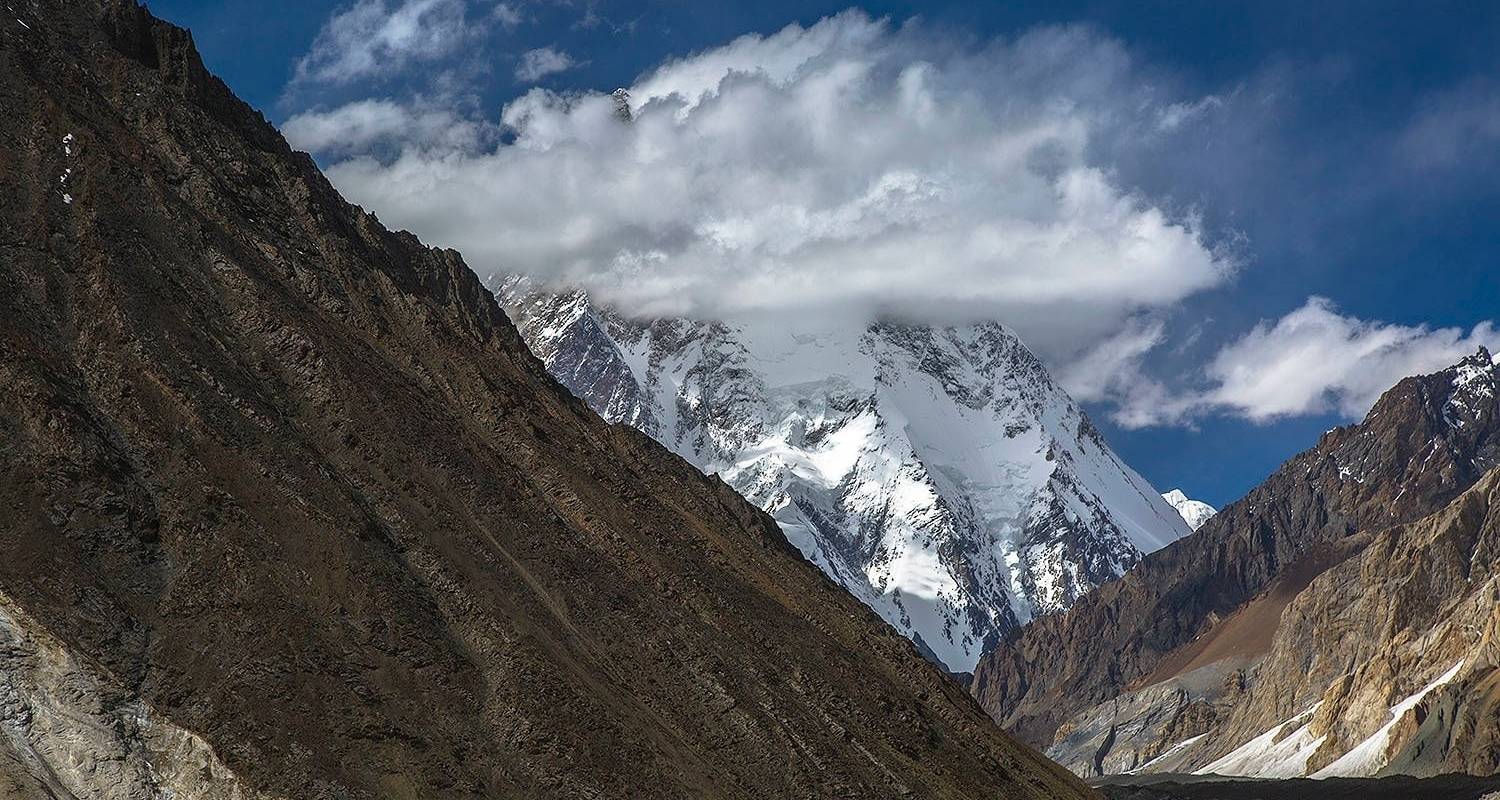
[1393, 655]
[69, 730]
[1372, 655]
[1424, 443]
[939, 474]
[1155, 729]
[288, 509]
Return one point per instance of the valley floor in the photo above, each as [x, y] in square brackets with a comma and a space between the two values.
[1198, 787]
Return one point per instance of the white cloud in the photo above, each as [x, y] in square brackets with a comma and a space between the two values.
[1111, 372]
[1174, 116]
[358, 126]
[371, 38]
[850, 167]
[541, 62]
[1316, 360]
[1113, 365]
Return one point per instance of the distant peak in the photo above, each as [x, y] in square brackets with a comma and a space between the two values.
[1194, 512]
[1479, 368]
[1481, 357]
[622, 103]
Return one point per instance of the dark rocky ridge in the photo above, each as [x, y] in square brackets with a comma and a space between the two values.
[290, 511]
[1426, 441]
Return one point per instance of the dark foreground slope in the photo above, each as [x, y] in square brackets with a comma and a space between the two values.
[288, 510]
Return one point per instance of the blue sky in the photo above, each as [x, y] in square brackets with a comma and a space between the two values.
[1319, 189]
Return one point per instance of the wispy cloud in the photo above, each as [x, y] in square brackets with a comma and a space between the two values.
[373, 38]
[359, 126]
[1313, 360]
[1454, 128]
[541, 62]
[508, 14]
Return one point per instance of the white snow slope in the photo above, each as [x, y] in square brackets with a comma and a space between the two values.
[1194, 512]
[1275, 754]
[937, 473]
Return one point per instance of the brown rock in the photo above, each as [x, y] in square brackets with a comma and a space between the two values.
[1426, 441]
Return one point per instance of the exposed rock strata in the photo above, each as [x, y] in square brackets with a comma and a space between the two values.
[1371, 654]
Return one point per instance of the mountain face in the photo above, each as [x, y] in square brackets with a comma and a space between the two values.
[290, 511]
[1388, 662]
[937, 473]
[1194, 512]
[1425, 442]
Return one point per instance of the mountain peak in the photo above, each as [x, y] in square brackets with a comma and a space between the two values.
[1194, 512]
[621, 99]
[938, 473]
[1477, 370]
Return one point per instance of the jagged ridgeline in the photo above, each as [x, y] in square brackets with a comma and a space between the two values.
[289, 510]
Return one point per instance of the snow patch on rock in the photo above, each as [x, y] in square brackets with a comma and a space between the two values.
[1370, 755]
[1272, 754]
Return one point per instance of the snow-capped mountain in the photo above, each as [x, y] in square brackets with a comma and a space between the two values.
[940, 474]
[1194, 512]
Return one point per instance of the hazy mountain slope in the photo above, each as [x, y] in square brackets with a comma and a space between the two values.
[938, 473]
[290, 510]
[1426, 441]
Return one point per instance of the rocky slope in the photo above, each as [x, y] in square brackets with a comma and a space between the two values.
[937, 473]
[1385, 662]
[1388, 662]
[1427, 440]
[290, 511]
